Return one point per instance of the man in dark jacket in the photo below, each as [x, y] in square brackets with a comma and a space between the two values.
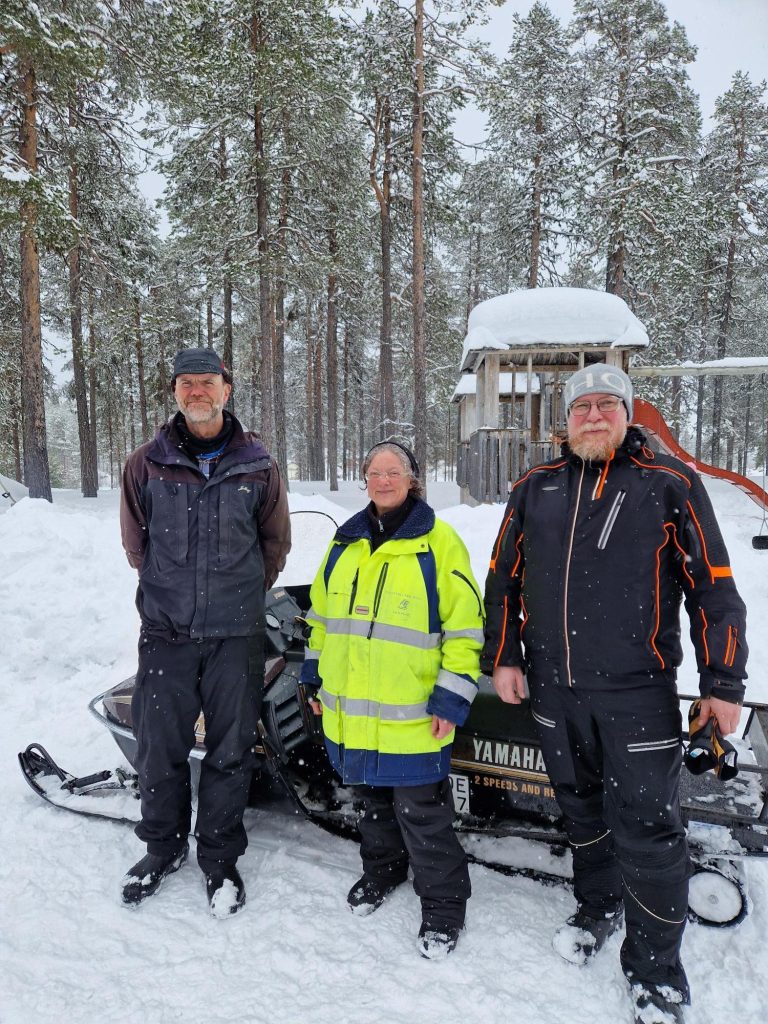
[596, 551]
[204, 519]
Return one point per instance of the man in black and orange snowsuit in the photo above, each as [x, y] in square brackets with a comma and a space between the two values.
[595, 552]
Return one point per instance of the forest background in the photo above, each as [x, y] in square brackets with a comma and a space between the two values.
[326, 231]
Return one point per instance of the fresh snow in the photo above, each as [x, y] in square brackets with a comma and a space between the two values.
[555, 317]
[467, 384]
[71, 954]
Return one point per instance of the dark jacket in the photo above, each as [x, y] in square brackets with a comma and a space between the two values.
[589, 568]
[206, 550]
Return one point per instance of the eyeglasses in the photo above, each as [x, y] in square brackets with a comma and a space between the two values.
[392, 474]
[583, 408]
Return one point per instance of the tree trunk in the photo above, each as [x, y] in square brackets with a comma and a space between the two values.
[209, 321]
[345, 406]
[747, 425]
[88, 474]
[317, 405]
[279, 337]
[265, 326]
[419, 325]
[383, 191]
[309, 397]
[131, 400]
[616, 260]
[331, 351]
[227, 354]
[138, 341]
[37, 475]
[92, 377]
[535, 250]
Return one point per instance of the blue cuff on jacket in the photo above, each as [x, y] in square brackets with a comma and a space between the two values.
[310, 677]
[448, 705]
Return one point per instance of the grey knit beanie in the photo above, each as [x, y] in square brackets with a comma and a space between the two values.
[599, 379]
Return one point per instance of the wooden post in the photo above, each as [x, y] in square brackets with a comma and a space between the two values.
[488, 411]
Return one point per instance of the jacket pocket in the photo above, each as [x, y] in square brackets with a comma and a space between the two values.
[610, 519]
[236, 515]
[169, 522]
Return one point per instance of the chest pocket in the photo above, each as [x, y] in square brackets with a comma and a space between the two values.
[169, 521]
[237, 504]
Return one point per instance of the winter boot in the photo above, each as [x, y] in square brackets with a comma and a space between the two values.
[146, 876]
[367, 895]
[225, 889]
[582, 936]
[657, 1004]
[436, 942]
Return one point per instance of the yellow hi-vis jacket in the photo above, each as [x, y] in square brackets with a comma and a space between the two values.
[396, 636]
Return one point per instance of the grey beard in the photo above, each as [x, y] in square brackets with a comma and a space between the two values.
[198, 416]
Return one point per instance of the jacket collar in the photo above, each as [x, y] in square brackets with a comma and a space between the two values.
[167, 446]
[420, 521]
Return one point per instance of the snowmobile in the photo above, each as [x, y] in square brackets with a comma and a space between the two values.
[505, 805]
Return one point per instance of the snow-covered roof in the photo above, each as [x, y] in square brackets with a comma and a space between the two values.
[553, 318]
[467, 384]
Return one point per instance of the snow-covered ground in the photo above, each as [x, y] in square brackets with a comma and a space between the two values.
[71, 954]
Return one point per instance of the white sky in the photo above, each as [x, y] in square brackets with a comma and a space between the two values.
[730, 36]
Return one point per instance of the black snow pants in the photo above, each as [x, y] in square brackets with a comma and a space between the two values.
[174, 682]
[414, 824]
[614, 759]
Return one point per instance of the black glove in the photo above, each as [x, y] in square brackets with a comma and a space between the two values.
[708, 749]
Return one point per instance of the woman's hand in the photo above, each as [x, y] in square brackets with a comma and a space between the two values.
[441, 727]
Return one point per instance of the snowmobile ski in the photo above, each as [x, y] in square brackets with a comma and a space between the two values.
[107, 794]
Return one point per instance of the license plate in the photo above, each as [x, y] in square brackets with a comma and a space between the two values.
[460, 790]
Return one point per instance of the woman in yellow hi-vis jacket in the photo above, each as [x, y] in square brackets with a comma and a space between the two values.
[393, 660]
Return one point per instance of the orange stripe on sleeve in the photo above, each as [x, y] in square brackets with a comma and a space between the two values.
[704, 637]
[684, 555]
[502, 531]
[503, 634]
[720, 572]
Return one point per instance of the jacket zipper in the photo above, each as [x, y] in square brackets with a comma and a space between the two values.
[354, 591]
[610, 520]
[455, 572]
[377, 595]
[567, 574]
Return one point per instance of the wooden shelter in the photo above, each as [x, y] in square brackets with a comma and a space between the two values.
[538, 336]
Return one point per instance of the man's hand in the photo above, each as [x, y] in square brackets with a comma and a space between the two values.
[509, 684]
[315, 704]
[441, 727]
[726, 713]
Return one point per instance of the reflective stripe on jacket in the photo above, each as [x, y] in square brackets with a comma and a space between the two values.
[396, 637]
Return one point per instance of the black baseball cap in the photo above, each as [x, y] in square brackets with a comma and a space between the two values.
[197, 360]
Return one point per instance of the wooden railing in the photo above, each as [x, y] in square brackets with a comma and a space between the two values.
[492, 460]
